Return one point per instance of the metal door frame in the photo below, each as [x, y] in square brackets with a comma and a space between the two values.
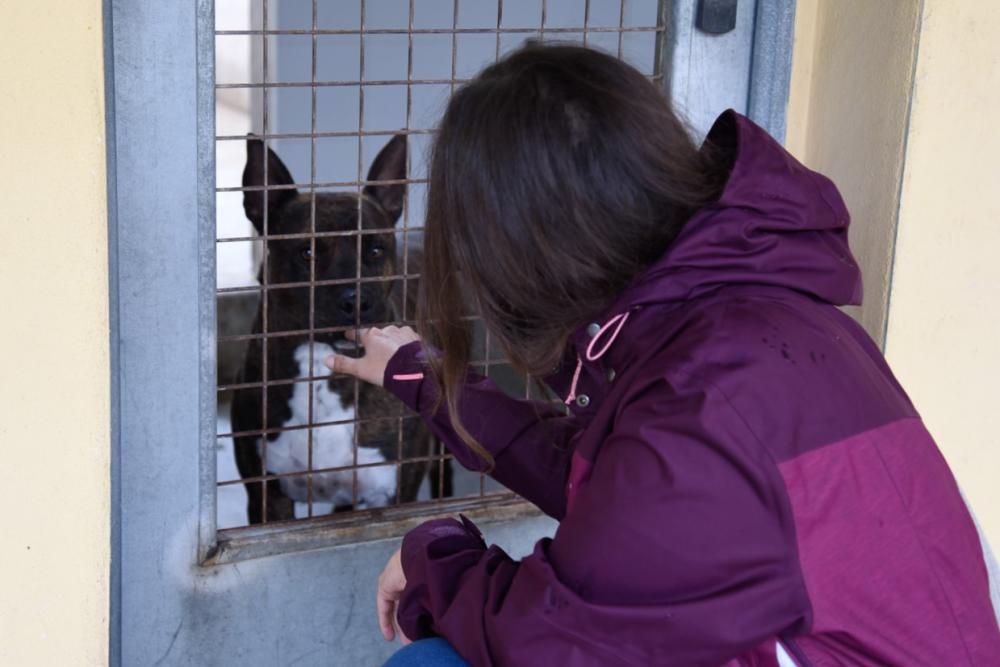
[159, 100]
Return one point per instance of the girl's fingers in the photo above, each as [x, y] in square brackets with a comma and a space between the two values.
[339, 363]
[390, 585]
[379, 347]
[386, 616]
[357, 334]
[403, 639]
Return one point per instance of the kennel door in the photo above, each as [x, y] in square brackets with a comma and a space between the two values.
[290, 597]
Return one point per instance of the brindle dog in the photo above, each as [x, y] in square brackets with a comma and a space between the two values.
[340, 405]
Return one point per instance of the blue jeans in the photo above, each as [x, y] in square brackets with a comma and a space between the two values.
[434, 652]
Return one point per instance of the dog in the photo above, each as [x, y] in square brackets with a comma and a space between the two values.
[347, 411]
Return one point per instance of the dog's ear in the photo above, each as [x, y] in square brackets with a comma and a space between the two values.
[389, 165]
[253, 176]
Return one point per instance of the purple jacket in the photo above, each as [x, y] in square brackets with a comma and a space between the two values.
[741, 476]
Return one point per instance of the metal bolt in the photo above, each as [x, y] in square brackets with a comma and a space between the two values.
[611, 375]
[583, 400]
[593, 329]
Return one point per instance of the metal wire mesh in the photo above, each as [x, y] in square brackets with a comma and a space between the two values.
[326, 85]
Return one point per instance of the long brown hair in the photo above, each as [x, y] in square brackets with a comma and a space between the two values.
[557, 175]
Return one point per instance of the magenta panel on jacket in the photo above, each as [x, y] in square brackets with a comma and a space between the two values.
[891, 560]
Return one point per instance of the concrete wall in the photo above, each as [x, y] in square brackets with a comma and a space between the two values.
[54, 340]
[944, 306]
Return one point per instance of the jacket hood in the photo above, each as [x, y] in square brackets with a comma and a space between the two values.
[776, 223]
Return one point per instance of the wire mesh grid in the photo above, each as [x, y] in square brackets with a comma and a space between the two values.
[330, 90]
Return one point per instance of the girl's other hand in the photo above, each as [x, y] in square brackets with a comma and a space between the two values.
[380, 345]
[390, 586]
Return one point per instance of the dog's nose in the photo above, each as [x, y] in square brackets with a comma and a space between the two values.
[351, 302]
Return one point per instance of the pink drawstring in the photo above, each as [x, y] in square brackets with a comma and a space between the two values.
[618, 319]
[576, 378]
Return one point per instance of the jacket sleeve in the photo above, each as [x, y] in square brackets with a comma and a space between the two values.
[678, 551]
[529, 440]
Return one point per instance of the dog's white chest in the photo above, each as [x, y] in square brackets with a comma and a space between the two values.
[332, 446]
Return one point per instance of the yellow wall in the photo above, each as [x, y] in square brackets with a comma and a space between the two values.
[54, 554]
[851, 79]
[926, 177]
[944, 315]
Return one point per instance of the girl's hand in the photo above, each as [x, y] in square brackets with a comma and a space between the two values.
[390, 586]
[380, 345]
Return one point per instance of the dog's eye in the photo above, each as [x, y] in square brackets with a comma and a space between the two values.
[306, 253]
[376, 252]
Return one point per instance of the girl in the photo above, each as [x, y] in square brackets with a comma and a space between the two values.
[739, 478]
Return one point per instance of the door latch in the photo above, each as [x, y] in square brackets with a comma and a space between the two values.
[716, 17]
